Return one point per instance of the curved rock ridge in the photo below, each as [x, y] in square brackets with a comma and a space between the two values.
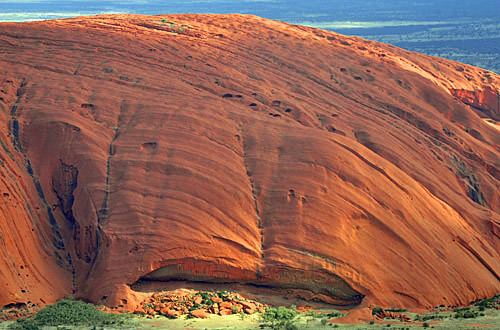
[230, 148]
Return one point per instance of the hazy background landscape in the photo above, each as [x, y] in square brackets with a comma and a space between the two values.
[465, 31]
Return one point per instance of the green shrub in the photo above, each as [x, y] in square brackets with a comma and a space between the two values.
[430, 317]
[279, 318]
[71, 313]
[204, 295]
[334, 314]
[425, 325]
[222, 294]
[396, 310]
[466, 315]
[377, 310]
[469, 315]
[488, 303]
[461, 309]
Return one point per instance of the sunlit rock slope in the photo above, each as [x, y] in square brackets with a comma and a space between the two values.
[237, 149]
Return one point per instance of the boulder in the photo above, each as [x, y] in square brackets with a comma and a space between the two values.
[200, 313]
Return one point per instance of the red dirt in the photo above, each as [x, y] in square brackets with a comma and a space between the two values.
[229, 148]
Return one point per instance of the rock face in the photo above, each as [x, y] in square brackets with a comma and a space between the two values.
[237, 149]
[34, 263]
[486, 100]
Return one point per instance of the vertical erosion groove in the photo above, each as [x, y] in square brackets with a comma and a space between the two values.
[64, 183]
[103, 212]
[244, 146]
[61, 252]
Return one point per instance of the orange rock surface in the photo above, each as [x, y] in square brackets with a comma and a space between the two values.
[229, 148]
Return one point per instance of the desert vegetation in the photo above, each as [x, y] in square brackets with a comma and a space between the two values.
[73, 314]
[69, 312]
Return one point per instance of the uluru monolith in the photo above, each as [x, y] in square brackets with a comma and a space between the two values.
[234, 149]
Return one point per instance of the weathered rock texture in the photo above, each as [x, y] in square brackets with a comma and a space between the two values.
[233, 148]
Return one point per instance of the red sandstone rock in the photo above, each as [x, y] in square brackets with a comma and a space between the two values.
[355, 316]
[393, 315]
[225, 312]
[198, 300]
[226, 304]
[247, 304]
[249, 310]
[304, 309]
[486, 100]
[237, 308]
[200, 313]
[277, 154]
[139, 310]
